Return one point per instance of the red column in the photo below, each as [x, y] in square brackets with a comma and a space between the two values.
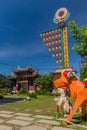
[16, 87]
[11, 87]
[19, 87]
[27, 86]
[34, 86]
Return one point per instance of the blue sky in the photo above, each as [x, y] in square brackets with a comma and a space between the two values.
[22, 21]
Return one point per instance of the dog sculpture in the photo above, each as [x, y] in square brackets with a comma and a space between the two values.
[63, 103]
[77, 91]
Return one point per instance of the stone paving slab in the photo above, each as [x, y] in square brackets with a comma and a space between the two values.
[4, 127]
[27, 110]
[48, 122]
[1, 121]
[43, 117]
[6, 115]
[29, 122]
[23, 114]
[19, 122]
[24, 118]
[33, 127]
[38, 111]
[6, 112]
[61, 128]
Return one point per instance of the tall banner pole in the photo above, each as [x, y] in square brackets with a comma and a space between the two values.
[57, 39]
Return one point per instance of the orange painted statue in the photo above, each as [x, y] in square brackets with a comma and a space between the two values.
[76, 89]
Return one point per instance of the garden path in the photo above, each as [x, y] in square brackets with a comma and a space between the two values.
[27, 121]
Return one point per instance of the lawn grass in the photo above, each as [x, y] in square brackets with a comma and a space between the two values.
[43, 104]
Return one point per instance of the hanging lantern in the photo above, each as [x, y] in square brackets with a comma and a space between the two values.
[60, 54]
[66, 60]
[49, 49]
[53, 55]
[52, 48]
[56, 47]
[66, 56]
[66, 52]
[66, 65]
[56, 54]
[65, 48]
[47, 44]
[56, 61]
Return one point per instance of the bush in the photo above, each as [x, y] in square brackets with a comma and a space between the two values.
[5, 91]
[40, 92]
[23, 91]
[32, 95]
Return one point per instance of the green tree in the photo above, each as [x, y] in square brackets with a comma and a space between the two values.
[80, 47]
[83, 73]
[45, 82]
[80, 35]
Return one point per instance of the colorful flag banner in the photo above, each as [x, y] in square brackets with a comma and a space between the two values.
[57, 40]
[65, 37]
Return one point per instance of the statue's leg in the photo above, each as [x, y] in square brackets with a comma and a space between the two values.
[84, 109]
[78, 102]
[57, 108]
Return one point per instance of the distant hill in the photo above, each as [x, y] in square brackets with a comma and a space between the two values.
[4, 79]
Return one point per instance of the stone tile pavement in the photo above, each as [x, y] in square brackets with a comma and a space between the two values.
[23, 121]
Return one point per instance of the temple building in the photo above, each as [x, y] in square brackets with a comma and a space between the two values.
[23, 79]
[57, 73]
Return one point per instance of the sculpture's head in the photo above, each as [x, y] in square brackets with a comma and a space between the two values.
[65, 78]
[62, 91]
[60, 82]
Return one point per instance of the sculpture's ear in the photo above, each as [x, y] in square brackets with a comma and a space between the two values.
[64, 79]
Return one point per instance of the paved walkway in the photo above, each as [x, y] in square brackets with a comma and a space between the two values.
[21, 121]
